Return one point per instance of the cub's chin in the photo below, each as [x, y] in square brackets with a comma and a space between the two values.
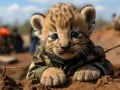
[66, 56]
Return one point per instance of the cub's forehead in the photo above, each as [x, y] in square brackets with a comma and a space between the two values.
[64, 15]
[62, 9]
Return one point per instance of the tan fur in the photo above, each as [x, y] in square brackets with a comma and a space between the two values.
[87, 73]
[63, 19]
[53, 76]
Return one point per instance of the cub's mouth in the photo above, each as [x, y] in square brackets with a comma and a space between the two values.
[65, 55]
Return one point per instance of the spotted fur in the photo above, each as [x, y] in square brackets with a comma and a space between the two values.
[65, 46]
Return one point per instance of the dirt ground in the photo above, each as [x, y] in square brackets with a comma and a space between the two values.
[13, 76]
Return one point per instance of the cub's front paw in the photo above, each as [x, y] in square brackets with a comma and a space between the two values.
[87, 73]
[53, 77]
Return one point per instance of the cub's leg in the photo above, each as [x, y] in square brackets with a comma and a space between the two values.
[53, 77]
[87, 73]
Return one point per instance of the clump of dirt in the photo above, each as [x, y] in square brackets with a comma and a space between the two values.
[104, 80]
[36, 87]
[7, 83]
[117, 71]
[33, 85]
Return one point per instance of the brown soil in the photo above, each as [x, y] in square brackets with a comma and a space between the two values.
[12, 77]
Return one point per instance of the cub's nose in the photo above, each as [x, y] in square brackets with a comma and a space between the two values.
[65, 46]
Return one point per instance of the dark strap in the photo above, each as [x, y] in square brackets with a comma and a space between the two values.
[80, 64]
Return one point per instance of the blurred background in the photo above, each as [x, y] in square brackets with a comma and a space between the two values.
[16, 34]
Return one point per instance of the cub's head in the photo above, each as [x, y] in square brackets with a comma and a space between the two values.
[64, 29]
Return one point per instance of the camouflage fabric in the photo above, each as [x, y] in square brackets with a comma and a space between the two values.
[43, 60]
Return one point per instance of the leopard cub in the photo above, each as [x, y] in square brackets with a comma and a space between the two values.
[65, 48]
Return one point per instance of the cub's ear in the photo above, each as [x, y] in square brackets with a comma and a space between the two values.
[89, 14]
[37, 21]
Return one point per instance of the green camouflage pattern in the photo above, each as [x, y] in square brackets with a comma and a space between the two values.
[96, 57]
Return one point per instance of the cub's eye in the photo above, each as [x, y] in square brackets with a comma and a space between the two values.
[74, 34]
[54, 36]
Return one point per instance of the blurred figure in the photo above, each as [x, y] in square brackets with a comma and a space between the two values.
[17, 41]
[115, 23]
[0, 38]
[34, 40]
[0, 42]
[5, 35]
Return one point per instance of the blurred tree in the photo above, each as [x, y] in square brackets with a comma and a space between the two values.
[100, 22]
[16, 23]
[1, 21]
[24, 28]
